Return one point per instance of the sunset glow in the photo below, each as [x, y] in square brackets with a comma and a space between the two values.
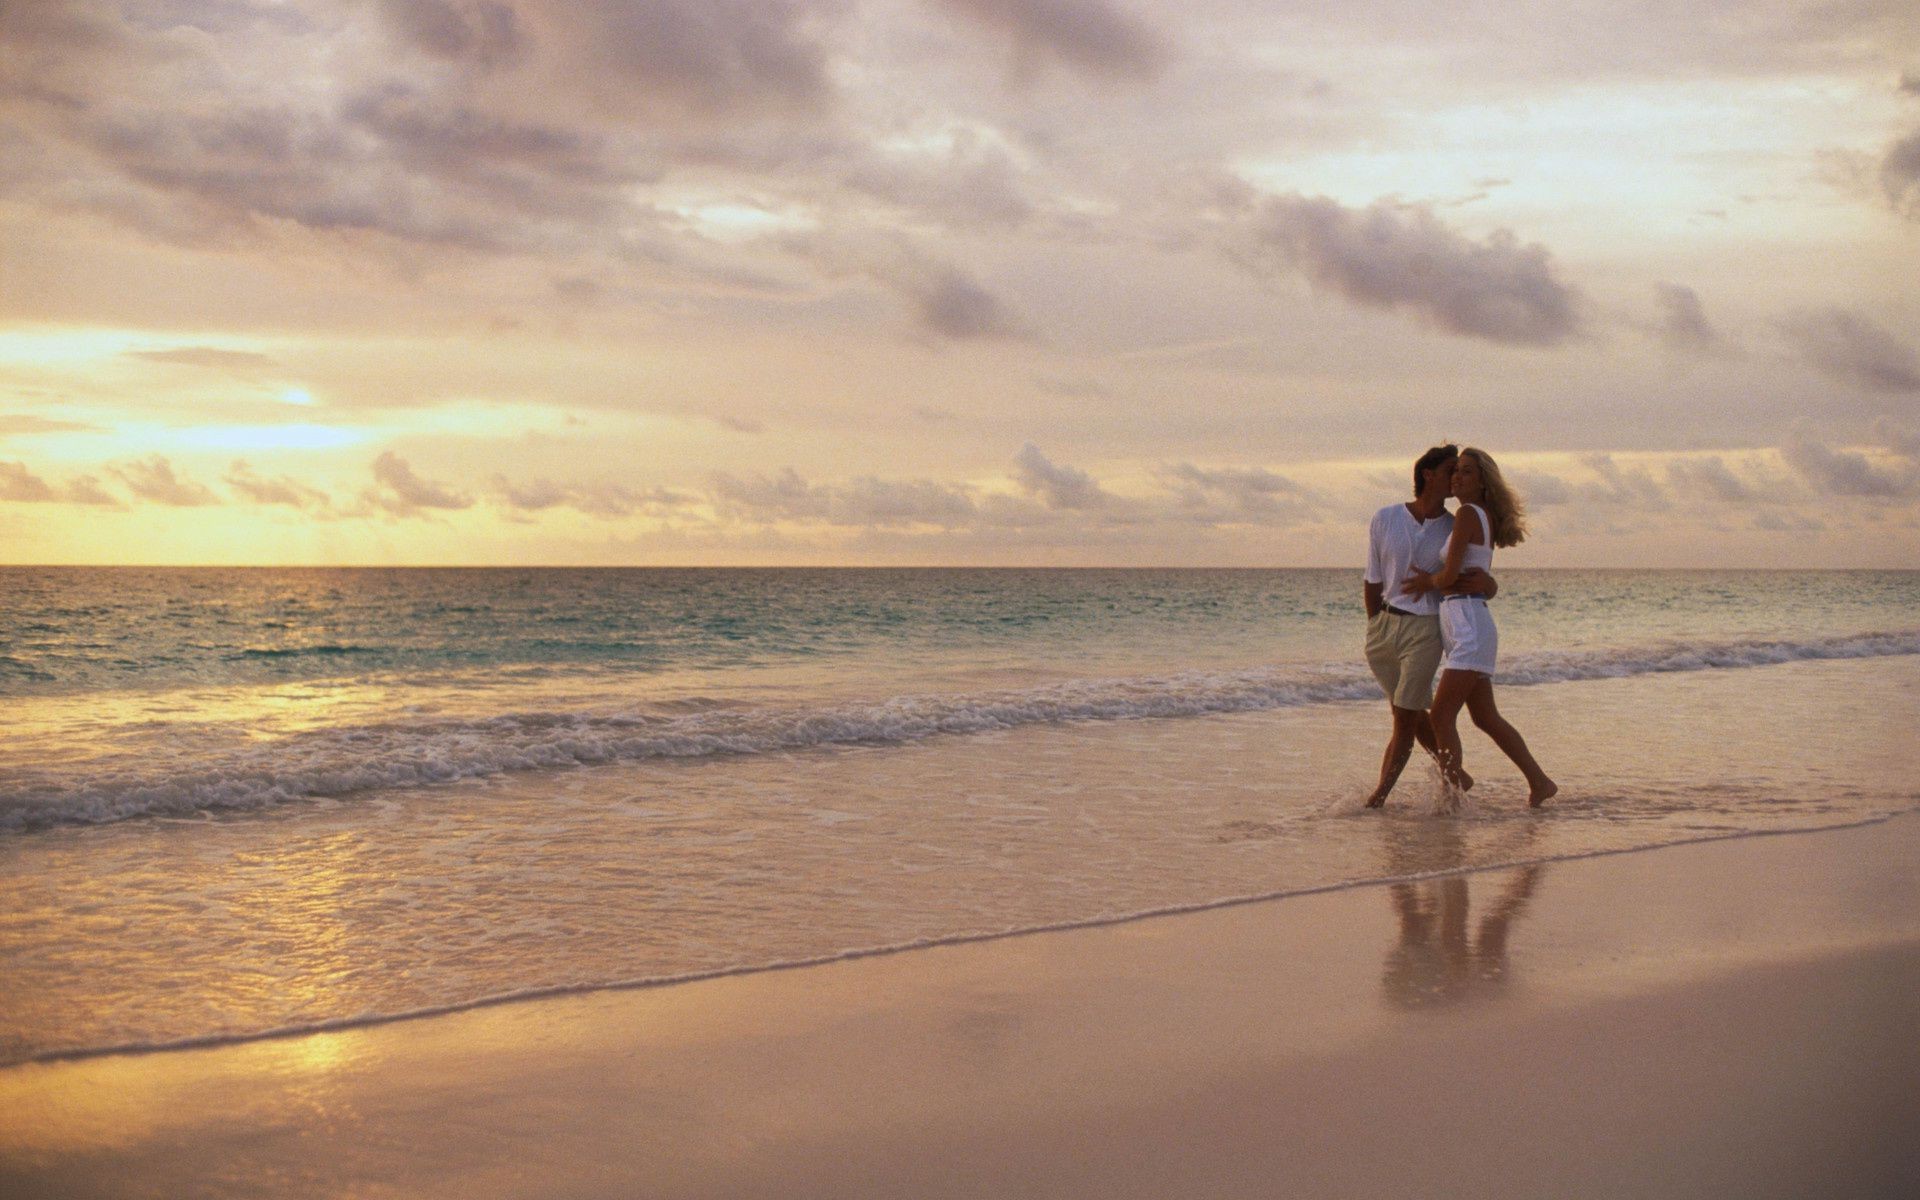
[1083, 282]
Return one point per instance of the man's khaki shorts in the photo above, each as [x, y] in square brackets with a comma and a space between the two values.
[1404, 653]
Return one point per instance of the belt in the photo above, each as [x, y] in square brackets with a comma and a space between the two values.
[1463, 596]
[1398, 612]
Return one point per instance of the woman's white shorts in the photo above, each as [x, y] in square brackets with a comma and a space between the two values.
[1467, 636]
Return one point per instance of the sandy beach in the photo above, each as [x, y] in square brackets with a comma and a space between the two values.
[1725, 1018]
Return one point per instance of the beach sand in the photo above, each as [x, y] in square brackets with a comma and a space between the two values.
[1727, 1018]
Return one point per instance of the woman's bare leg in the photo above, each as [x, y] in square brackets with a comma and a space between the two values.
[1487, 716]
[1449, 694]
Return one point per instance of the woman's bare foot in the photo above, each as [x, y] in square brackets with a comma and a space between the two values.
[1542, 792]
[1462, 780]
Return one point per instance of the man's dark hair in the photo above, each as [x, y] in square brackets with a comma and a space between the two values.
[1428, 461]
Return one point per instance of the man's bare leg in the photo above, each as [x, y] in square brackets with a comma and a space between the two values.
[1410, 725]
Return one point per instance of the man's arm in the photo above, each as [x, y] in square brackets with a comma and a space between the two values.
[1475, 582]
[1372, 593]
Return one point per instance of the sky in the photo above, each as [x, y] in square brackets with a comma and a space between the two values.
[916, 282]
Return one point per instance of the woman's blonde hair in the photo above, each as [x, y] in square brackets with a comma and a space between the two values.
[1506, 512]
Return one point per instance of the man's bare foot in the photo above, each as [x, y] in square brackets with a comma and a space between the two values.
[1544, 791]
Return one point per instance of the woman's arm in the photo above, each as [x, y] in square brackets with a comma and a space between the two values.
[1457, 544]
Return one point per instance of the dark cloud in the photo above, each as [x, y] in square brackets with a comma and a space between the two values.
[234, 129]
[1898, 439]
[1089, 35]
[1842, 472]
[945, 300]
[1900, 175]
[152, 478]
[283, 490]
[1707, 479]
[1683, 321]
[481, 32]
[205, 356]
[1402, 257]
[952, 305]
[16, 423]
[701, 58]
[1849, 346]
[1057, 485]
[401, 493]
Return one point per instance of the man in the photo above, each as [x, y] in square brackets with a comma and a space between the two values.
[1403, 631]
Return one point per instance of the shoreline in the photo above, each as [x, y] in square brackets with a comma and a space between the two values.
[1646, 1015]
[563, 991]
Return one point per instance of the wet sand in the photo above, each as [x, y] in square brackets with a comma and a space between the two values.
[1725, 1018]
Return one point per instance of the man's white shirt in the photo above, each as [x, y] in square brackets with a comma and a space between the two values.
[1397, 544]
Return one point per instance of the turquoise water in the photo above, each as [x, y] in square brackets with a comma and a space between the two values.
[65, 631]
[236, 801]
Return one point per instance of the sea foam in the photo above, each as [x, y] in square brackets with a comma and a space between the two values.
[418, 751]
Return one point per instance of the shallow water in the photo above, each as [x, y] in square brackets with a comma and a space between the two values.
[264, 848]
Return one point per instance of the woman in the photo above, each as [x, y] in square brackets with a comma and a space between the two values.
[1489, 515]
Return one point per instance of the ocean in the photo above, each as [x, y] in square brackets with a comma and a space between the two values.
[236, 802]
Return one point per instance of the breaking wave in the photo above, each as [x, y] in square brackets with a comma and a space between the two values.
[408, 753]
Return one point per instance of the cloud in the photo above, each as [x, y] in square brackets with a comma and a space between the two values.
[28, 423]
[401, 493]
[1900, 176]
[1073, 389]
[1089, 35]
[864, 501]
[20, 485]
[23, 486]
[1683, 321]
[1540, 489]
[601, 499]
[1398, 256]
[945, 300]
[1631, 487]
[1841, 472]
[1708, 479]
[696, 58]
[153, 479]
[1849, 346]
[953, 305]
[1253, 491]
[481, 32]
[1057, 486]
[205, 356]
[1897, 439]
[284, 490]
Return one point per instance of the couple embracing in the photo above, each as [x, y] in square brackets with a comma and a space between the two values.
[1427, 588]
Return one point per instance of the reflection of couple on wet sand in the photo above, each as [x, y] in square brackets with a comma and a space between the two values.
[1427, 587]
[1438, 961]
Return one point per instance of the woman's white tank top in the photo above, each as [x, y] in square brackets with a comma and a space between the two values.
[1481, 555]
